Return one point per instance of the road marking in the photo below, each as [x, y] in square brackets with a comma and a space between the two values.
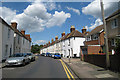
[66, 69]
[8, 68]
[69, 72]
[36, 57]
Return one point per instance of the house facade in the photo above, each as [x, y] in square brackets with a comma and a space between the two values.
[113, 29]
[12, 40]
[67, 45]
[6, 40]
[22, 41]
[94, 42]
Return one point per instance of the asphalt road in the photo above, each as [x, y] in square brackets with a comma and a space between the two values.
[43, 67]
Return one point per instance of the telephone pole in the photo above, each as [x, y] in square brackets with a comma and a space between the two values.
[106, 37]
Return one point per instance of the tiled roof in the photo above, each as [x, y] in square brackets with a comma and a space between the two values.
[96, 30]
[75, 33]
[4, 22]
[65, 37]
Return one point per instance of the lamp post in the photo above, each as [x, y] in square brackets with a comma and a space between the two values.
[106, 39]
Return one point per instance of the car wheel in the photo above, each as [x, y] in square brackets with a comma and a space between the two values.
[23, 64]
[28, 61]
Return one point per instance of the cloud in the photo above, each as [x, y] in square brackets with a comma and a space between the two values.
[40, 42]
[97, 23]
[87, 27]
[74, 10]
[35, 18]
[7, 14]
[58, 19]
[94, 8]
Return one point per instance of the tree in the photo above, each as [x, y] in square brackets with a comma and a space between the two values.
[117, 48]
[36, 48]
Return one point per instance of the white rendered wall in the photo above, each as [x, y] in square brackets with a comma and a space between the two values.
[1, 42]
[7, 41]
[76, 45]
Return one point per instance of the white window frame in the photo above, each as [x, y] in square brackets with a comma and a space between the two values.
[113, 25]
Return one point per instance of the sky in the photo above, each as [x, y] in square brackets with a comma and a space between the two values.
[45, 20]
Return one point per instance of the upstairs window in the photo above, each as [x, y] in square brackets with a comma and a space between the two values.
[112, 42]
[18, 39]
[69, 43]
[95, 36]
[88, 38]
[114, 23]
[23, 40]
[8, 33]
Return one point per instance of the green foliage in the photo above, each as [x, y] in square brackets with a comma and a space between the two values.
[117, 48]
[36, 48]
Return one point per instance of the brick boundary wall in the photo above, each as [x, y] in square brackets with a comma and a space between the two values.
[100, 60]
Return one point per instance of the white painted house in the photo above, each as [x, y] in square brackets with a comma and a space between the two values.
[6, 39]
[22, 41]
[67, 45]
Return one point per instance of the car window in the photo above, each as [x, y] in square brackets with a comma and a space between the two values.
[57, 54]
[17, 55]
[29, 54]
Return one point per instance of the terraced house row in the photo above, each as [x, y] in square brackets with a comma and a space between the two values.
[76, 44]
[68, 45]
[12, 40]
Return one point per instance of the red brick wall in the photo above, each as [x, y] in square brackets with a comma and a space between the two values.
[93, 42]
[93, 49]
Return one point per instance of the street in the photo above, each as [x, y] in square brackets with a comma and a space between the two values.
[43, 67]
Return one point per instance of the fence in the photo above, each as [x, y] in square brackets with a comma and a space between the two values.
[100, 60]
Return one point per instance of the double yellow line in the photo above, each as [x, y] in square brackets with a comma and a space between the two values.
[67, 71]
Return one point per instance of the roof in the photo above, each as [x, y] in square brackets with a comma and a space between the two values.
[4, 22]
[75, 33]
[114, 14]
[15, 30]
[96, 30]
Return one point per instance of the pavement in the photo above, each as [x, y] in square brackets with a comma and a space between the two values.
[87, 71]
[43, 67]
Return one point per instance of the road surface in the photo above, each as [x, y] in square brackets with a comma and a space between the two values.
[43, 67]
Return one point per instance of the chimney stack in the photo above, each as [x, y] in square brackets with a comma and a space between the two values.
[56, 38]
[52, 40]
[28, 36]
[84, 30]
[72, 28]
[49, 42]
[23, 32]
[14, 25]
[63, 34]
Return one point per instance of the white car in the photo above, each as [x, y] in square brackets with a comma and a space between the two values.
[17, 59]
[31, 56]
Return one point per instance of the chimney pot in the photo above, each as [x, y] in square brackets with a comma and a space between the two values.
[63, 34]
[23, 32]
[84, 30]
[14, 25]
[72, 28]
[52, 40]
[56, 38]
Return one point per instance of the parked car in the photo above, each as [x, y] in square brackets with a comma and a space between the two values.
[48, 54]
[52, 55]
[17, 59]
[31, 56]
[43, 54]
[57, 55]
